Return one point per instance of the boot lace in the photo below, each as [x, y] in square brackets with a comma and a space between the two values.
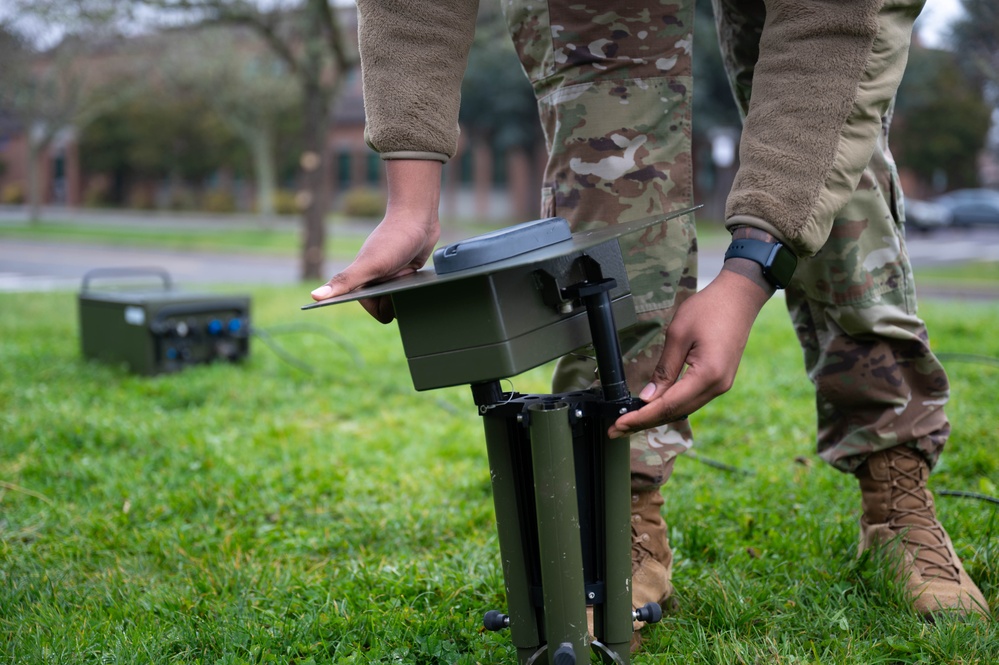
[909, 519]
[639, 550]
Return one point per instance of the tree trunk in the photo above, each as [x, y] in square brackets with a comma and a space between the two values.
[313, 195]
[35, 151]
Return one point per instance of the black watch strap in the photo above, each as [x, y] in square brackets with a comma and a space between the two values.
[778, 261]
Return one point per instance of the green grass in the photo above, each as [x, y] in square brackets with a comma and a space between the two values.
[981, 274]
[278, 239]
[262, 514]
[343, 238]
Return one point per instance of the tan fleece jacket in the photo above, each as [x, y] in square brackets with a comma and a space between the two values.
[413, 57]
[826, 74]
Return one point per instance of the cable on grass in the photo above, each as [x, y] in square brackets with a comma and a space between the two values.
[968, 358]
[714, 464]
[267, 337]
[968, 495]
[344, 344]
[280, 351]
[4, 485]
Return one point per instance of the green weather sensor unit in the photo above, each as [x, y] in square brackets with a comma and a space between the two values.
[492, 307]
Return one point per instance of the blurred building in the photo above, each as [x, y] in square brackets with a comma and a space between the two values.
[59, 176]
[477, 183]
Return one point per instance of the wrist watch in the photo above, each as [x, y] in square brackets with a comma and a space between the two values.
[778, 261]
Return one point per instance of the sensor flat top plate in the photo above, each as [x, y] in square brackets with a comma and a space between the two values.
[578, 242]
[503, 244]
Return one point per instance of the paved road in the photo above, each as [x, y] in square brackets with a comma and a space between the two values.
[33, 265]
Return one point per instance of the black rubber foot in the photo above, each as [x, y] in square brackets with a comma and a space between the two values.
[564, 655]
[649, 613]
[495, 620]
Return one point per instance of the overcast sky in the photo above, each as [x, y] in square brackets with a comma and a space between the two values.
[933, 22]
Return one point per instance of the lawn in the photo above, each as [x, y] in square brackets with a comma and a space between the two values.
[309, 507]
[278, 238]
[344, 236]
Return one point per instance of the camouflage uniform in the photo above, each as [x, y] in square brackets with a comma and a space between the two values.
[853, 304]
[619, 149]
[614, 90]
[613, 87]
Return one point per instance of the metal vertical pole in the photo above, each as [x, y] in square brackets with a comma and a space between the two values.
[616, 538]
[617, 545]
[514, 552]
[558, 533]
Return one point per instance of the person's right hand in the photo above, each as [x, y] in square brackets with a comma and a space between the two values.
[707, 335]
[401, 243]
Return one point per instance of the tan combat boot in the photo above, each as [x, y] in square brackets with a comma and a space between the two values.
[898, 514]
[651, 557]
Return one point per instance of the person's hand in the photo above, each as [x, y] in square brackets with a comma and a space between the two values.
[401, 243]
[708, 334]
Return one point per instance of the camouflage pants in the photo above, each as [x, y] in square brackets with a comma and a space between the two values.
[614, 89]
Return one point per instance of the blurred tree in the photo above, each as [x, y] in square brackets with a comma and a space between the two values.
[713, 102]
[497, 101]
[975, 36]
[158, 135]
[715, 117]
[50, 93]
[941, 121]
[306, 36]
[246, 86]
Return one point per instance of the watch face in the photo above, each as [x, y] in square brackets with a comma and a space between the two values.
[782, 265]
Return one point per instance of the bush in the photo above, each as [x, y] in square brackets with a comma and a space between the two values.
[284, 202]
[219, 201]
[96, 194]
[181, 199]
[364, 203]
[12, 193]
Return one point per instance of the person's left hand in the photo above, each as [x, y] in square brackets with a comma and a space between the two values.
[708, 334]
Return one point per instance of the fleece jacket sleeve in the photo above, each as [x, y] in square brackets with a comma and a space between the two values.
[413, 57]
[826, 74]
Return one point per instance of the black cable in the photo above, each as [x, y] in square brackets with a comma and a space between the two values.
[968, 495]
[714, 464]
[279, 351]
[745, 472]
[969, 358]
[315, 330]
[266, 335]
[981, 360]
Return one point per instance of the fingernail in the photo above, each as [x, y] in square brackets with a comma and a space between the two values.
[618, 432]
[323, 292]
[647, 392]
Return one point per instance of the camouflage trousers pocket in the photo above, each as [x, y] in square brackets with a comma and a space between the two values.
[864, 262]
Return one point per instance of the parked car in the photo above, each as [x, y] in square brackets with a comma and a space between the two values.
[925, 216]
[971, 206]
